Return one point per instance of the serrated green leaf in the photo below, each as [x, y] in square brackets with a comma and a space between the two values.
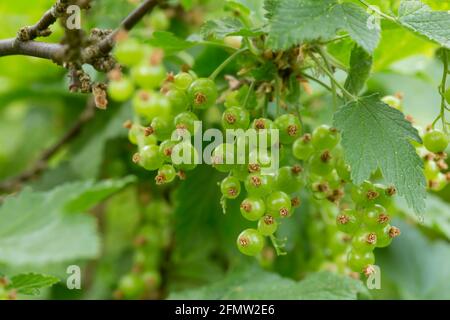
[257, 284]
[169, 42]
[31, 283]
[97, 193]
[360, 66]
[295, 21]
[418, 17]
[228, 26]
[37, 229]
[374, 136]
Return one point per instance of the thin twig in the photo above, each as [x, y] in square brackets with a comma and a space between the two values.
[105, 46]
[41, 164]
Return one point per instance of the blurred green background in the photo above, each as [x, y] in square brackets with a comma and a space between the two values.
[197, 245]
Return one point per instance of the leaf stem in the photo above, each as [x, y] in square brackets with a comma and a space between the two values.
[222, 66]
[379, 12]
[333, 79]
[442, 88]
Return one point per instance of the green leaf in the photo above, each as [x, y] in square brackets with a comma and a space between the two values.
[436, 216]
[374, 136]
[31, 283]
[36, 228]
[220, 28]
[360, 66]
[417, 267]
[169, 42]
[98, 193]
[418, 17]
[296, 21]
[257, 284]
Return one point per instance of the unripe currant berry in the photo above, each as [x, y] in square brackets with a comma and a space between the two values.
[289, 179]
[149, 157]
[321, 163]
[375, 217]
[259, 185]
[359, 261]
[364, 240]
[185, 121]
[148, 76]
[435, 141]
[162, 128]
[325, 138]
[235, 118]
[223, 157]
[393, 102]
[250, 242]
[347, 221]
[278, 204]
[203, 93]
[120, 90]
[230, 187]
[302, 148]
[252, 208]
[290, 128]
[166, 174]
[267, 225]
[178, 100]
[183, 80]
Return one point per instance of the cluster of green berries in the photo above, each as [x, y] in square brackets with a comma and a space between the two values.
[164, 105]
[433, 153]
[151, 239]
[368, 224]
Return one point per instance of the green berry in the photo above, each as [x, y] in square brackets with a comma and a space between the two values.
[132, 286]
[166, 149]
[267, 225]
[223, 157]
[302, 148]
[151, 105]
[235, 118]
[393, 102]
[375, 217]
[364, 240]
[385, 236]
[253, 208]
[166, 174]
[250, 242]
[278, 204]
[183, 80]
[185, 121]
[148, 76]
[120, 90]
[289, 179]
[149, 157]
[230, 187]
[435, 141]
[347, 221]
[358, 261]
[203, 93]
[325, 138]
[290, 128]
[129, 52]
[162, 128]
[178, 100]
[185, 156]
[431, 170]
[259, 185]
[322, 163]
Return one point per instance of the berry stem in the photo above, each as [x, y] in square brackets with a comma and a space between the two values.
[222, 66]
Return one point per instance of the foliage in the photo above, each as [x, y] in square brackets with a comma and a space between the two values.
[360, 85]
